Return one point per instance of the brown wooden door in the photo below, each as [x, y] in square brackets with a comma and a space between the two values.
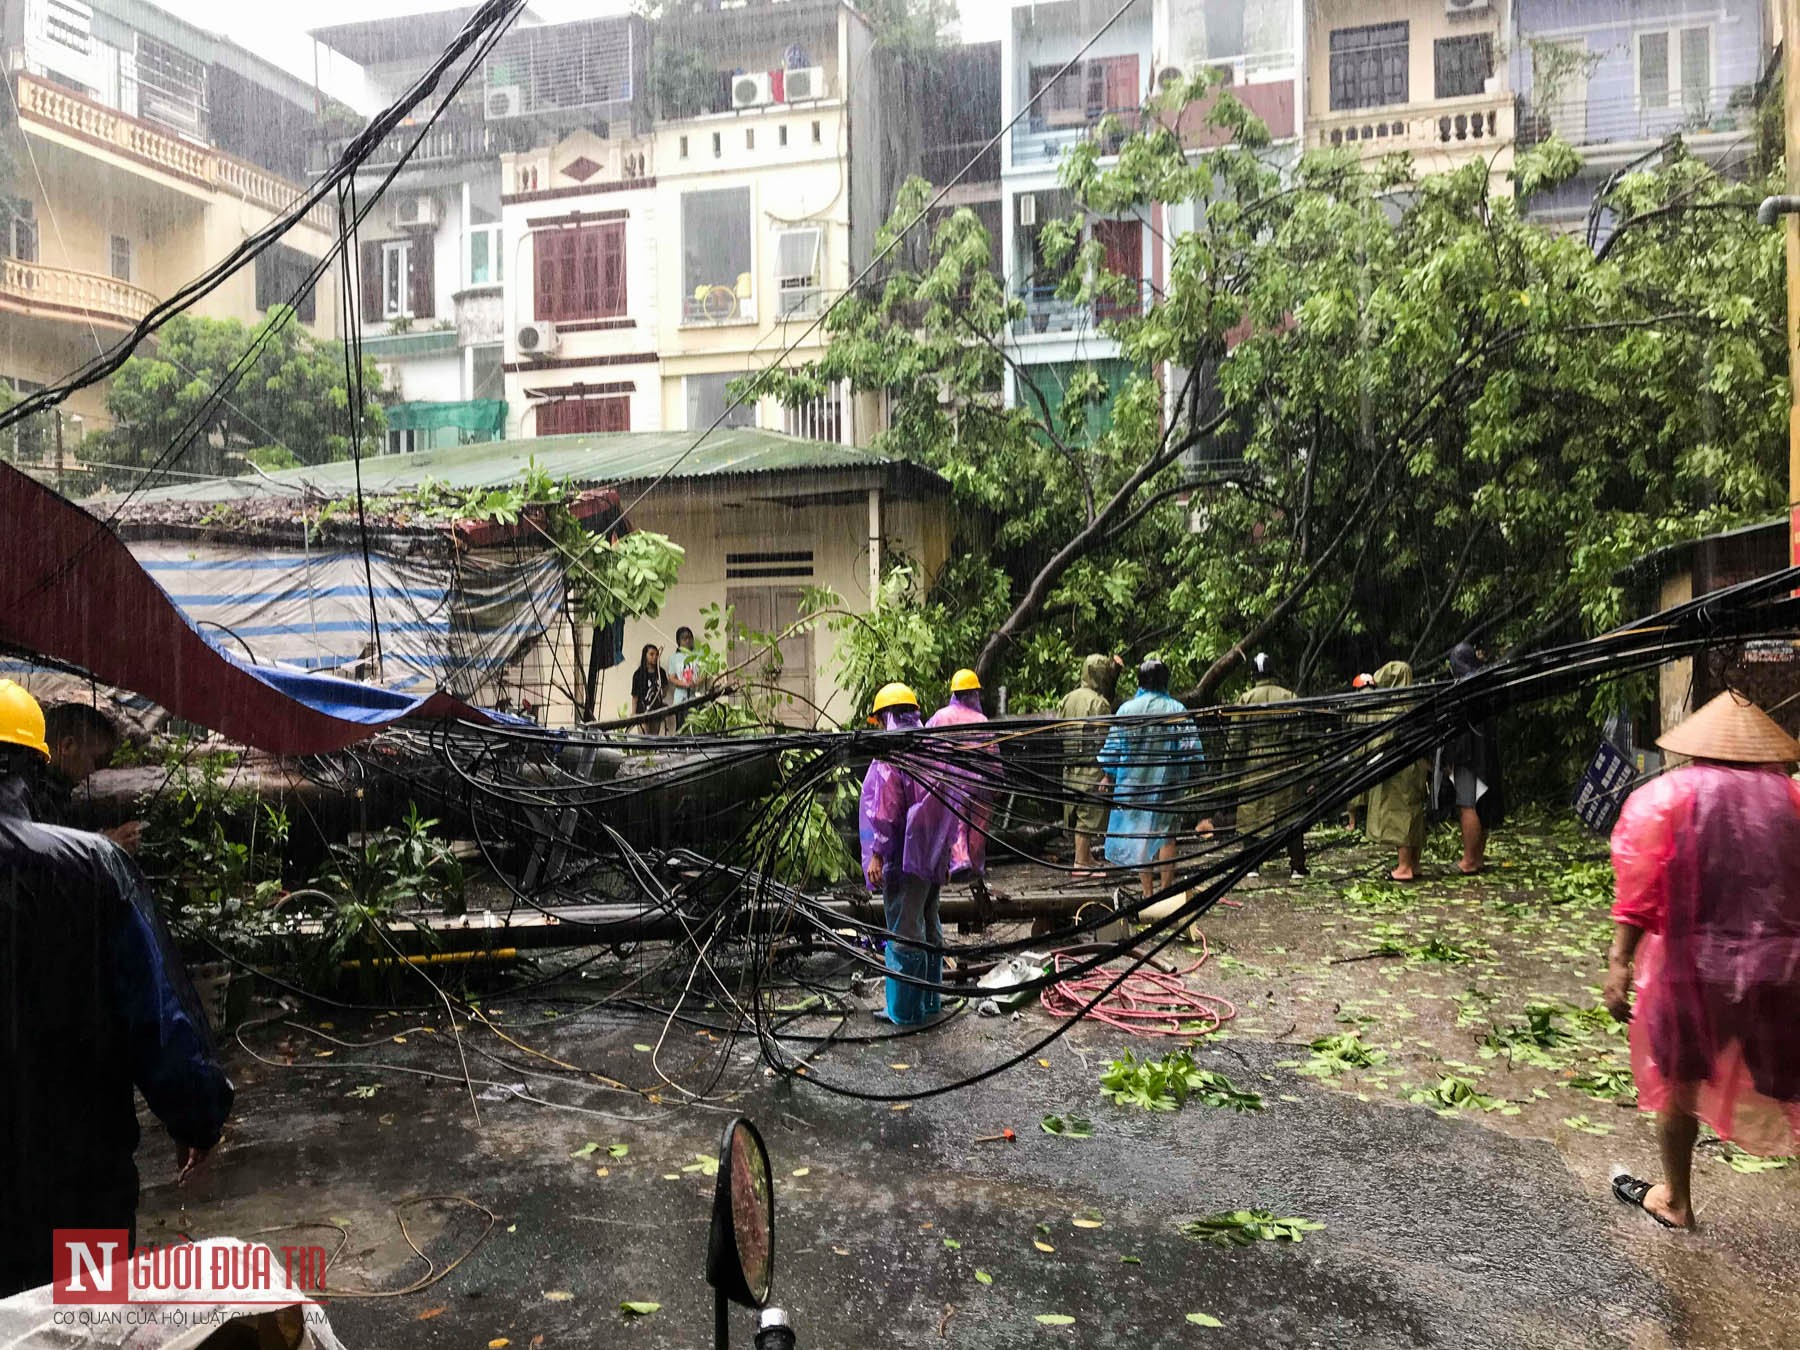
[1123, 241]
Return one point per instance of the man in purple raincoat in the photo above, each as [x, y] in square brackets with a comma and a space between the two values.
[970, 792]
[906, 836]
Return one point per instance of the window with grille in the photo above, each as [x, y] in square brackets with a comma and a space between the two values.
[1369, 66]
[799, 272]
[1461, 65]
[792, 563]
[708, 398]
[396, 265]
[121, 257]
[718, 281]
[819, 419]
[19, 236]
[581, 272]
[171, 87]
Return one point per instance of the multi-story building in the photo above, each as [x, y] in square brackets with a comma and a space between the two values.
[433, 256]
[1616, 79]
[1102, 94]
[144, 151]
[1427, 77]
[659, 263]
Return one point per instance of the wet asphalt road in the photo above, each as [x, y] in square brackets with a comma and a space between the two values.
[1438, 1232]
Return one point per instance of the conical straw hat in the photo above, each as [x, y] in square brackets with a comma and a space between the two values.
[1733, 729]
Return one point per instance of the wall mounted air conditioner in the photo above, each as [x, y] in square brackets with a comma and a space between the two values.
[799, 86]
[417, 210]
[1457, 8]
[751, 90]
[505, 100]
[538, 339]
[1028, 209]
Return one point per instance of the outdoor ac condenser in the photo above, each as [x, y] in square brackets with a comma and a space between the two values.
[506, 100]
[1457, 8]
[750, 90]
[799, 86]
[417, 210]
[538, 339]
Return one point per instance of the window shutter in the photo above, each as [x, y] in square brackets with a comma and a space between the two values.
[612, 272]
[371, 282]
[587, 273]
[421, 277]
[543, 254]
[1122, 89]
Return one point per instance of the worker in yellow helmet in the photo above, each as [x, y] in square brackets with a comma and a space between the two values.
[970, 788]
[96, 1001]
[906, 830]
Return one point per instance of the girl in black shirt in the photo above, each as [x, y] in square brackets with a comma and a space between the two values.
[649, 687]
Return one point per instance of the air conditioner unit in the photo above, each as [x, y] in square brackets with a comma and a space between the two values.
[1170, 76]
[1455, 8]
[798, 86]
[505, 100]
[1028, 209]
[751, 91]
[538, 339]
[417, 210]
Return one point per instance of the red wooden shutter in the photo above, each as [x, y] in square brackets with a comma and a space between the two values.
[543, 255]
[587, 268]
[422, 277]
[550, 417]
[613, 299]
[370, 282]
[1123, 241]
[1122, 88]
[614, 414]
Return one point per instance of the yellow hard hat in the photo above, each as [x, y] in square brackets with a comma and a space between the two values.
[21, 720]
[964, 681]
[895, 696]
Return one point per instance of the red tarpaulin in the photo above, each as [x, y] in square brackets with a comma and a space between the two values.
[72, 592]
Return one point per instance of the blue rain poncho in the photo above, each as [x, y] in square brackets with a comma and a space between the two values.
[1151, 765]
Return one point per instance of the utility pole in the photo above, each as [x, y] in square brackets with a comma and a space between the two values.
[57, 412]
[1790, 60]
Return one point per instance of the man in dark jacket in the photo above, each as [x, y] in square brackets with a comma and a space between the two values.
[93, 999]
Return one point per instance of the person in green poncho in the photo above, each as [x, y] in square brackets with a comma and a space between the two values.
[1397, 803]
[1261, 752]
[1081, 772]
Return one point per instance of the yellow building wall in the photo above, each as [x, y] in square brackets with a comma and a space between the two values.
[1427, 21]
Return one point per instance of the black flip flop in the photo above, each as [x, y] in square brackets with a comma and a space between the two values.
[1631, 1191]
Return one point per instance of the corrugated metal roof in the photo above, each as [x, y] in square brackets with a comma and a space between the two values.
[582, 460]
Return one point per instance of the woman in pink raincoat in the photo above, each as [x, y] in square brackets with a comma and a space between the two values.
[906, 832]
[1707, 860]
[970, 794]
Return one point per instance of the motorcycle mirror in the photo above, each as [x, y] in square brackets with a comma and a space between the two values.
[740, 1252]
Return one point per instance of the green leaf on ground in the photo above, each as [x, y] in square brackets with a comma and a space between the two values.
[617, 1150]
[1055, 1320]
[982, 1277]
[1204, 1320]
[1241, 1228]
[587, 1150]
[635, 1308]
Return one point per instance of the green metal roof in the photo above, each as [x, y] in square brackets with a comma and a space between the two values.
[392, 346]
[597, 460]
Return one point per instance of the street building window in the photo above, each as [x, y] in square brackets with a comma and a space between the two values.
[20, 236]
[575, 416]
[708, 398]
[799, 279]
[717, 262]
[487, 373]
[781, 135]
[1675, 62]
[487, 257]
[280, 273]
[396, 261]
[1369, 66]
[398, 279]
[404, 442]
[121, 257]
[580, 272]
[1462, 65]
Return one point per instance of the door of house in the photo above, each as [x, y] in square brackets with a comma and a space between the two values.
[788, 668]
[1123, 241]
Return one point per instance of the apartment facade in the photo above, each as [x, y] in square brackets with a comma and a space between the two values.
[1424, 77]
[144, 151]
[664, 257]
[1616, 78]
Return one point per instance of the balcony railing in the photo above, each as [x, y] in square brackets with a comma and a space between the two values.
[1613, 121]
[449, 140]
[1035, 141]
[70, 113]
[1047, 313]
[58, 292]
[1482, 122]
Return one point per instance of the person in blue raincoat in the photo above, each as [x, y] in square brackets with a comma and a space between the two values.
[907, 832]
[1149, 764]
